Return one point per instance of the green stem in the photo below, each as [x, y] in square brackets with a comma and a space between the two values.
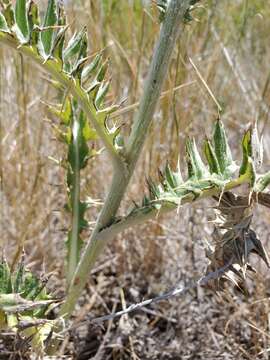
[74, 236]
[166, 206]
[170, 30]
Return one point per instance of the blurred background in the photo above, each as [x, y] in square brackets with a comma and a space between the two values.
[228, 41]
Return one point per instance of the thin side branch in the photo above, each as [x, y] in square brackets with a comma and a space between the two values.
[54, 69]
[177, 291]
[151, 213]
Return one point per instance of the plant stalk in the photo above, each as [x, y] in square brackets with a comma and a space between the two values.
[170, 30]
[139, 218]
[74, 236]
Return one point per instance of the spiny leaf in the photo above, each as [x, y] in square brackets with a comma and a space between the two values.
[58, 44]
[76, 70]
[21, 27]
[24, 300]
[172, 180]
[252, 148]
[154, 190]
[89, 69]
[200, 182]
[162, 7]
[102, 91]
[59, 38]
[46, 36]
[196, 168]
[102, 71]
[74, 45]
[222, 150]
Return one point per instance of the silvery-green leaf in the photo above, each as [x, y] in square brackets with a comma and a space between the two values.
[46, 36]
[21, 26]
[196, 167]
[222, 150]
[172, 180]
[100, 96]
[89, 69]
[102, 71]
[74, 45]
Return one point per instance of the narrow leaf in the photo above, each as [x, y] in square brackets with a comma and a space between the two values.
[196, 167]
[211, 157]
[222, 150]
[102, 91]
[58, 44]
[102, 71]
[46, 36]
[90, 68]
[74, 45]
[247, 151]
[21, 27]
[172, 180]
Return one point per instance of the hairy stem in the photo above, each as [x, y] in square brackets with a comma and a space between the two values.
[170, 30]
[141, 217]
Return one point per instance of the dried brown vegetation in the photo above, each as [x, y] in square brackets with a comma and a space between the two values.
[229, 45]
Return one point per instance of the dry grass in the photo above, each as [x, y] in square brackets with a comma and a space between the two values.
[230, 47]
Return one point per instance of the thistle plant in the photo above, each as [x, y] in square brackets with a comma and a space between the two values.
[84, 116]
[25, 305]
